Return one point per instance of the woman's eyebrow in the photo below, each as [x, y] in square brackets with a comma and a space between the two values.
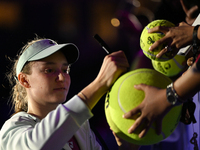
[53, 63]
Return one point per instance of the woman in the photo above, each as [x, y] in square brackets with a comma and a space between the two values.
[42, 82]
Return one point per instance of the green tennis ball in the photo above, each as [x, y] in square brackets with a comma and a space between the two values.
[172, 67]
[112, 124]
[123, 97]
[147, 39]
[108, 117]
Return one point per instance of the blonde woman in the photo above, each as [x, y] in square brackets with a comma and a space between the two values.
[43, 120]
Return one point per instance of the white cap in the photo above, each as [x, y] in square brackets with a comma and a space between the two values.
[44, 48]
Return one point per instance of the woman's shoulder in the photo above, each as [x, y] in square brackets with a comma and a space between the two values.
[23, 116]
[18, 120]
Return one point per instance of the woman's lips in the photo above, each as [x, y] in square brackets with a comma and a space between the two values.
[60, 89]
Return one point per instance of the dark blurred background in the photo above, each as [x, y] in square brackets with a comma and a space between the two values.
[118, 22]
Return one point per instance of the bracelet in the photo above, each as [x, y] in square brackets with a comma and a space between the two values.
[178, 97]
[85, 98]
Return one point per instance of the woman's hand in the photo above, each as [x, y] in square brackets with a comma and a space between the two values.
[114, 65]
[175, 37]
[153, 108]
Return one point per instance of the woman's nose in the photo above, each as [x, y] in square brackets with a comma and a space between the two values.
[61, 77]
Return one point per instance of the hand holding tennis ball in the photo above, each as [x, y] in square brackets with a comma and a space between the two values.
[147, 39]
[175, 37]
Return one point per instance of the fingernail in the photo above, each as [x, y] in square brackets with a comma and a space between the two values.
[136, 86]
[129, 131]
[150, 48]
[157, 56]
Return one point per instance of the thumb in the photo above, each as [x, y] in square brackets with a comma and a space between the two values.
[140, 86]
[191, 11]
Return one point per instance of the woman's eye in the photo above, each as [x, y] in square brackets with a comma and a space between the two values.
[48, 70]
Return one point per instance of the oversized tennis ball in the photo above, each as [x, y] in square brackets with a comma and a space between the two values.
[147, 39]
[172, 67]
[123, 97]
[112, 124]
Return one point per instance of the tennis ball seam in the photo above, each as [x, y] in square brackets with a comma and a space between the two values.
[118, 95]
[178, 64]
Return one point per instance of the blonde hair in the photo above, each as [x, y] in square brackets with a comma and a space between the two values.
[18, 92]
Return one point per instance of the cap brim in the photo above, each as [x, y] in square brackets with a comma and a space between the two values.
[70, 51]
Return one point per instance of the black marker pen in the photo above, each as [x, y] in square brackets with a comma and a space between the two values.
[102, 43]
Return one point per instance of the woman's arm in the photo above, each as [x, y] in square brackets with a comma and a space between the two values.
[113, 66]
[24, 131]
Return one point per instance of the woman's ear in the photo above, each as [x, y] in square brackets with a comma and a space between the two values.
[22, 78]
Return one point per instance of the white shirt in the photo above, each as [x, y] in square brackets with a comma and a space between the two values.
[26, 132]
